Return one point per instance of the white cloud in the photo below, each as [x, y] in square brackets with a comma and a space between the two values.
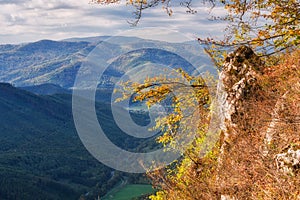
[32, 20]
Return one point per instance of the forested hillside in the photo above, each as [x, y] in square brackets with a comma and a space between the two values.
[41, 154]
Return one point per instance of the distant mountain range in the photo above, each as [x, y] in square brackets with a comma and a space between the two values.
[57, 62]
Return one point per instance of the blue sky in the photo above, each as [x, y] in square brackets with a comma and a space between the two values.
[32, 20]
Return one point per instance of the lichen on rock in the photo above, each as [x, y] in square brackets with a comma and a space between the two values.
[289, 161]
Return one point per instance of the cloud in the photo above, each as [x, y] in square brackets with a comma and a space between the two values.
[11, 1]
[33, 20]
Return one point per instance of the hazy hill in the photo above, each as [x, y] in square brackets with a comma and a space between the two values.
[57, 62]
[46, 89]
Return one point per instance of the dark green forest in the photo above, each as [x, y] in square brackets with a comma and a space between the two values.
[41, 155]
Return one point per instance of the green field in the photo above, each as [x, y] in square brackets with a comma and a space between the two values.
[128, 192]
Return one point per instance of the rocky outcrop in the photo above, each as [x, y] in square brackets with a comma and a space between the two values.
[239, 93]
[237, 81]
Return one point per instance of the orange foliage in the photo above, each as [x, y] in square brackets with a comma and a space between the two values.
[246, 172]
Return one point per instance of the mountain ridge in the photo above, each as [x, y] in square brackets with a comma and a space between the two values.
[58, 62]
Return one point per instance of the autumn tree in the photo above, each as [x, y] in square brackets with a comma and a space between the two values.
[269, 26]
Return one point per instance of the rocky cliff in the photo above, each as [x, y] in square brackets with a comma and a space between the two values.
[260, 129]
[256, 155]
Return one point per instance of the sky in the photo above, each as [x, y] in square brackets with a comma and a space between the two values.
[24, 21]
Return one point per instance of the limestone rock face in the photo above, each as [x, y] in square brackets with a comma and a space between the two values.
[289, 162]
[240, 94]
[237, 80]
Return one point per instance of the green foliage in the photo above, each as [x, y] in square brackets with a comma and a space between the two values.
[41, 156]
[129, 192]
